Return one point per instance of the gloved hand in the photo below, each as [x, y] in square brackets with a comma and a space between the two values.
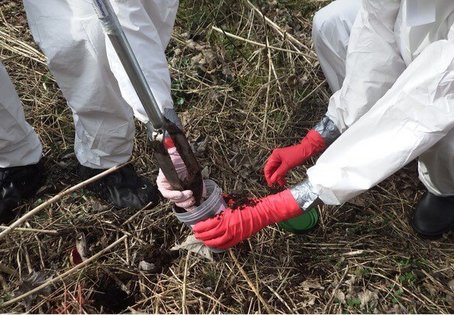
[183, 199]
[231, 226]
[284, 159]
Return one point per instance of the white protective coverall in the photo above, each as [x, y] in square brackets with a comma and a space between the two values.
[91, 77]
[396, 102]
[331, 29]
[19, 144]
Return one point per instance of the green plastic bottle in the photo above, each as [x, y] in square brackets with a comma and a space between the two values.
[301, 224]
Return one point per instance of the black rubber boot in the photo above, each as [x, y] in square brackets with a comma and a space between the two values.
[122, 188]
[433, 215]
[17, 184]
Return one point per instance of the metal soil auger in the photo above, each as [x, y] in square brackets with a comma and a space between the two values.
[158, 126]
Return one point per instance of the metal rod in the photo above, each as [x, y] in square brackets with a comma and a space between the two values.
[160, 124]
[114, 31]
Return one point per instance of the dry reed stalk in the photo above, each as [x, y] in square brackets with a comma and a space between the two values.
[57, 197]
[221, 82]
[249, 282]
[65, 274]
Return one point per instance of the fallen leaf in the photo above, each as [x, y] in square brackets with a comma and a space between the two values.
[340, 296]
[28, 283]
[195, 246]
[451, 284]
[206, 172]
[199, 146]
[450, 300]
[309, 301]
[433, 290]
[367, 297]
[185, 117]
[359, 201]
[79, 253]
[81, 246]
[397, 309]
[309, 284]
[351, 282]
[146, 266]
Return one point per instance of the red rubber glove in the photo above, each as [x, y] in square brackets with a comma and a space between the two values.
[283, 160]
[231, 226]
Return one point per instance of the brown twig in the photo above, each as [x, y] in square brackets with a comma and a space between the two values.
[57, 197]
[217, 29]
[52, 232]
[284, 34]
[67, 273]
[333, 293]
[184, 285]
[251, 285]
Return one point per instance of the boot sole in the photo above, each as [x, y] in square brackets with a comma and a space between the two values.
[431, 236]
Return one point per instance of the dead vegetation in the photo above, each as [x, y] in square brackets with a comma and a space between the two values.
[245, 76]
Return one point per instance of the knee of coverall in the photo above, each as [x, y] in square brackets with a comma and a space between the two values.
[327, 19]
[162, 13]
[331, 28]
[74, 44]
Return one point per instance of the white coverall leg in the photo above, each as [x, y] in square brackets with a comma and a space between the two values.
[331, 28]
[19, 144]
[394, 111]
[89, 73]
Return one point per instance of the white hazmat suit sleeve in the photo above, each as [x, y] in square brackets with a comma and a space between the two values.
[411, 117]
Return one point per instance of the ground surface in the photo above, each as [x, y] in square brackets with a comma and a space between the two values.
[239, 81]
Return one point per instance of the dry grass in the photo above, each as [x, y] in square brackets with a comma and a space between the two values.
[239, 79]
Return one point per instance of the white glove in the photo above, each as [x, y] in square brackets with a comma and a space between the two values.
[183, 199]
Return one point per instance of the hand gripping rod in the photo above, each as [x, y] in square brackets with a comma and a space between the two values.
[160, 126]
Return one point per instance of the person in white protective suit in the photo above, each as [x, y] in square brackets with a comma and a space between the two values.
[21, 172]
[393, 103]
[101, 97]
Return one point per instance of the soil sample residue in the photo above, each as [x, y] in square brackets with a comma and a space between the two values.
[238, 201]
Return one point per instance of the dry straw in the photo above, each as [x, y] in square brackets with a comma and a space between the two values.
[245, 75]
